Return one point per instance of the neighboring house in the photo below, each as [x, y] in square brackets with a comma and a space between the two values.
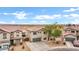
[4, 40]
[15, 37]
[71, 33]
[36, 34]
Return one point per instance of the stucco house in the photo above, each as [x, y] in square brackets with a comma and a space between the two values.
[4, 40]
[36, 34]
[15, 37]
[71, 32]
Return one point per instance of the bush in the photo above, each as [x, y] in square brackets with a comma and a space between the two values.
[14, 44]
[64, 43]
[23, 47]
[21, 43]
[12, 49]
[57, 42]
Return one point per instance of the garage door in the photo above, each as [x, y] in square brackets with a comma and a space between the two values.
[70, 39]
[36, 39]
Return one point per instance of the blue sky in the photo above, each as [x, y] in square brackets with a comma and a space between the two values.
[39, 15]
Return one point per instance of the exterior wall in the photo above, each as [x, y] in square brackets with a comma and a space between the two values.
[26, 33]
[39, 34]
[44, 36]
[15, 34]
[1, 36]
[5, 42]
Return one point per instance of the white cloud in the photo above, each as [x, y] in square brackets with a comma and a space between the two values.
[71, 16]
[75, 21]
[5, 13]
[18, 15]
[71, 10]
[47, 16]
[39, 22]
[4, 22]
[13, 22]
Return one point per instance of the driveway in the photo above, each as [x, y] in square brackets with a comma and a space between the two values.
[69, 44]
[37, 46]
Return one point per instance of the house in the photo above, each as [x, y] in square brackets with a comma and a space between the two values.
[33, 33]
[15, 33]
[15, 37]
[36, 34]
[71, 33]
[4, 40]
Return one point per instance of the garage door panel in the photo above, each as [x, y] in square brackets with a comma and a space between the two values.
[36, 39]
[70, 39]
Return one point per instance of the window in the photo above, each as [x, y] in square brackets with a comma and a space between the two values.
[23, 34]
[34, 33]
[17, 32]
[77, 31]
[72, 31]
[44, 32]
[12, 34]
[17, 35]
[0, 47]
[4, 35]
[45, 38]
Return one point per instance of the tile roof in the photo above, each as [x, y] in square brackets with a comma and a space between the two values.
[11, 28]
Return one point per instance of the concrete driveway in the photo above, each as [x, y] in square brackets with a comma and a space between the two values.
[37, 46]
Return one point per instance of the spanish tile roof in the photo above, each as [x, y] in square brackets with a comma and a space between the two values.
[11, 28]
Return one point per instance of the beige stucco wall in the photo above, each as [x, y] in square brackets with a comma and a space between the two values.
[7, 41]
[40, 34]
[15, 34]
[1, 36]
[44, 36]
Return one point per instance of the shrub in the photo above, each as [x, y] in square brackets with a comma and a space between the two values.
[64, 43]
[57, 42]
[14, 44]
[12, 49]
[23, 47]
[21, 43]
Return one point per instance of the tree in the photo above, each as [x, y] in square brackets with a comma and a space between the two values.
[48, 30]
[56, 33]
[57, 30]
[54, 30]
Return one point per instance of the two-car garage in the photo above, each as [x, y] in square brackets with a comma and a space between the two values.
[36, 39]
[70, 37]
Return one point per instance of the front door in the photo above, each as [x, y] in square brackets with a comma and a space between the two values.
[11, 42]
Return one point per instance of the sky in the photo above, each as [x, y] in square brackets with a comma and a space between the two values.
[39, 15]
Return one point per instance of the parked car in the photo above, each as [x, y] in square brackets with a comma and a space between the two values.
[76, 43]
